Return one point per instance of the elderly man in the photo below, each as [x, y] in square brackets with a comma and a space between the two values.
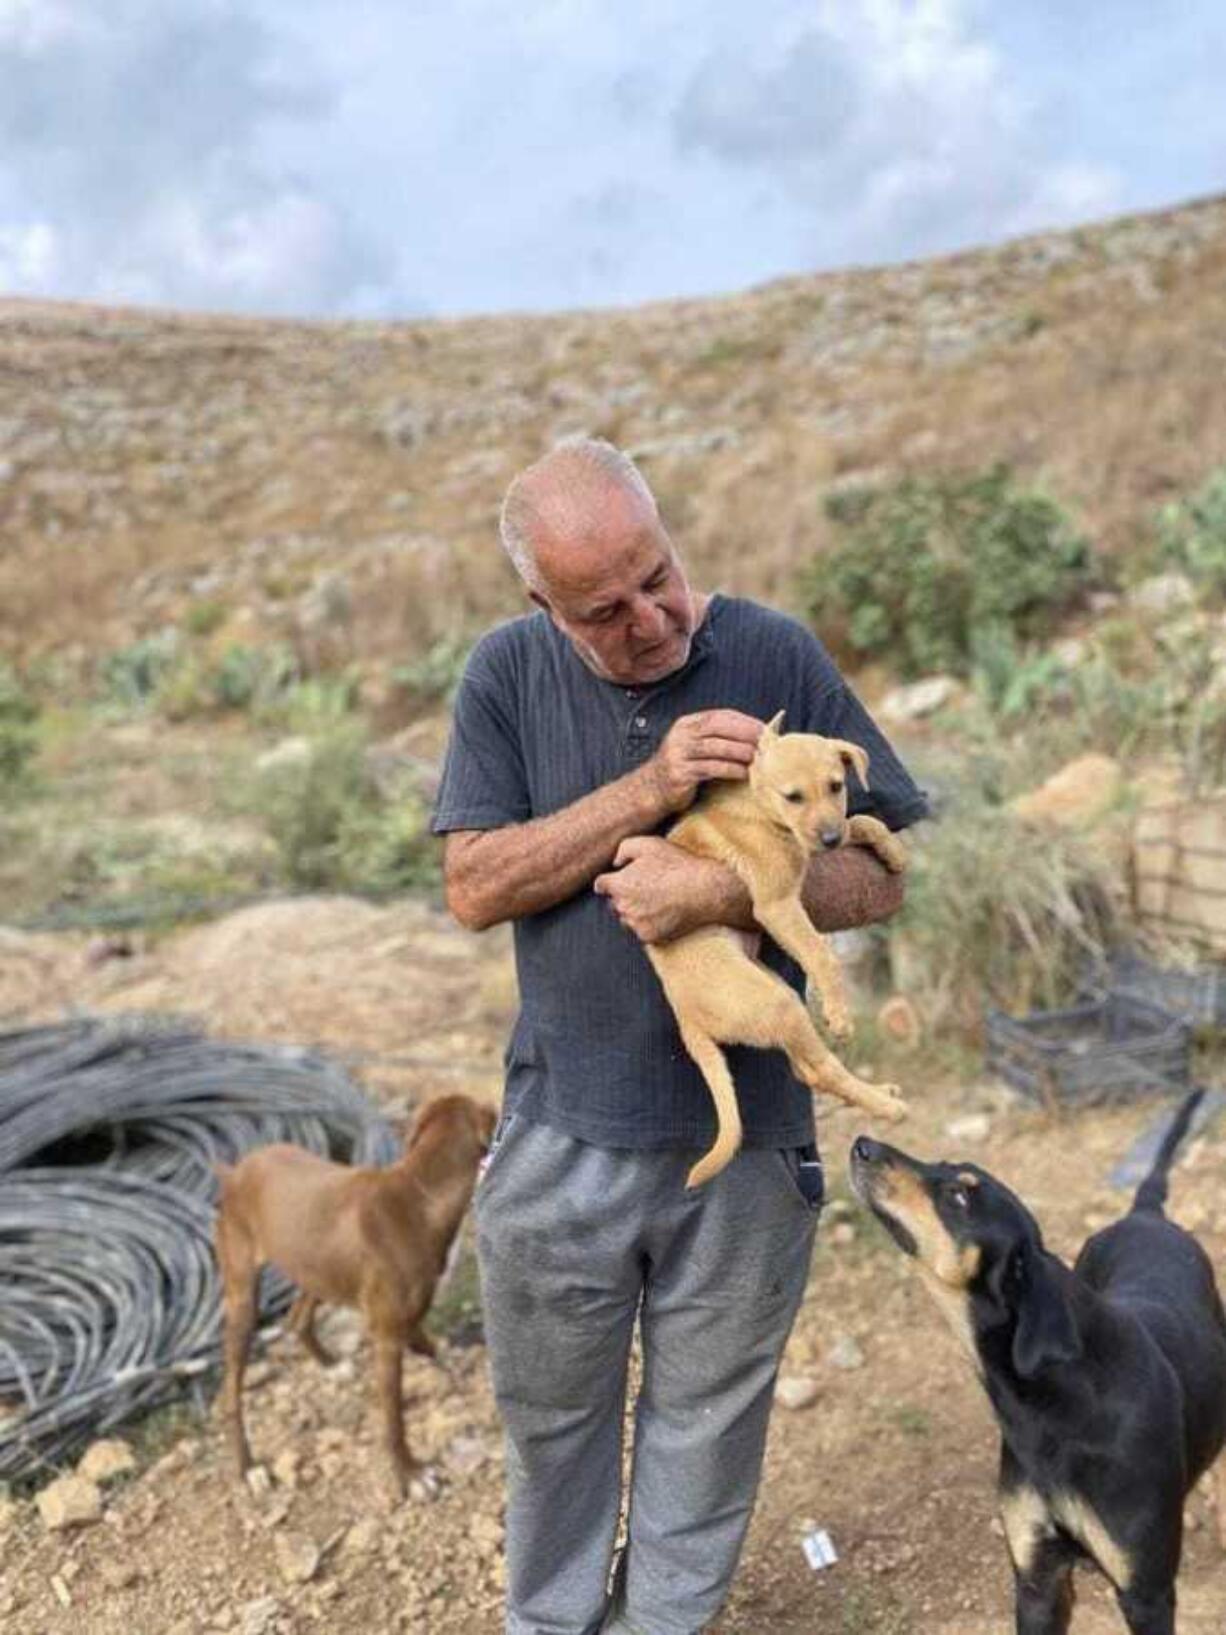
[579, 732]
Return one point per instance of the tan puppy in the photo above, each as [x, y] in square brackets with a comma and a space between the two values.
[376, 1239]
[794, 802]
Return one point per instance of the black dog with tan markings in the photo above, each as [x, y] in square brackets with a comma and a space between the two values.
[1108, 1381]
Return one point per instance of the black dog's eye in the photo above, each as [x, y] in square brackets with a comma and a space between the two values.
[957, 1196]
[794, 795]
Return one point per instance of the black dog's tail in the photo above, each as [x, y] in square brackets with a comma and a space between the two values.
[1151, 1194]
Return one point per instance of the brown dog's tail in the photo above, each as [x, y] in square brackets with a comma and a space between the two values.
[1151, 1194]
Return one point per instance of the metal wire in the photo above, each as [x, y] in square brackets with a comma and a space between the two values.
[109, 1295]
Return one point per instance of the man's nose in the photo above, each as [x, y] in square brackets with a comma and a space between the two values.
[649, 620]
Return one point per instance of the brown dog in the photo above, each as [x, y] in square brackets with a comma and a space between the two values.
[376, 1239]
[795, 801]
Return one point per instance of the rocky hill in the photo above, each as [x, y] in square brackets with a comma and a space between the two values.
[344, 478]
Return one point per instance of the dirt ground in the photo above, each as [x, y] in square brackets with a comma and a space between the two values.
[894, 1459]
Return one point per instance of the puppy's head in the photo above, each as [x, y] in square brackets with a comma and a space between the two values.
[801, 780]
[979, 1252]
[460, 1123]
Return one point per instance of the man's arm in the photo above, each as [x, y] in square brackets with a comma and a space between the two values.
[660, 892]
[492, 875]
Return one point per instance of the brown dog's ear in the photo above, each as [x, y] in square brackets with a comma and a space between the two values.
[854, 755]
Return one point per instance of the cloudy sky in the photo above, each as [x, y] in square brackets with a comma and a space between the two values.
[396, 157]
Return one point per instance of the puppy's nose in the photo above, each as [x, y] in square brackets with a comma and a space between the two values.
[864, 1150]
[830, 838]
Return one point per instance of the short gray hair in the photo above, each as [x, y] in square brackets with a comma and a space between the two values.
[570, 466]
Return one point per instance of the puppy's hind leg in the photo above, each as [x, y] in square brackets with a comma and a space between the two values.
[788, 1026]
[714, 1068]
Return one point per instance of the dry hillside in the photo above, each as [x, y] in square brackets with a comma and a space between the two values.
[148, 458]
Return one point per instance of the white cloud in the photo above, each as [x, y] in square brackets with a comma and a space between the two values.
[895, 126]
[132, 142]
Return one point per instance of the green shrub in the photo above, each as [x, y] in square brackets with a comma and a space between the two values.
[930, 570]
[240, 678]
[333, 829]
[1192, 537]
[132, 675]
[998, 912]
[435, 676]
[18, 734]
[203, 618]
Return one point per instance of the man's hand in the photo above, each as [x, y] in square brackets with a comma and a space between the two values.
[711, 744]
[659, 892]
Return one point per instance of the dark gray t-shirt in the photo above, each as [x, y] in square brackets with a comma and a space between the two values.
[595, 1051]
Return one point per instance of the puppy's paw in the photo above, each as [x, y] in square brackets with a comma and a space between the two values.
[894, 1108]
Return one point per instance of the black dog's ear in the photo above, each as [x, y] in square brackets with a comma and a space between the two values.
[1046, 1327]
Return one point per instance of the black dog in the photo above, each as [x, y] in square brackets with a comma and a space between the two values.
[1108, 1381]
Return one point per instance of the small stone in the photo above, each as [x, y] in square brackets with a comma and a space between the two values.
[259, 1481]
[796, 1391]
[919, 698]
[465, 1454]
[103, 1461]
[260, 1617]
[118, 1573]
[486, 1532]
[363, 1535]
[1163, 593]
[285, 1468]
[969, 1127]
[72, 1501]
[60, 1590]
[843, 1233]
[297, 1557]
[845, 1353]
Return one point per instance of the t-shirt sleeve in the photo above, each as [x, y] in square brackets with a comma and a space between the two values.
[830, 707]
[484, 783]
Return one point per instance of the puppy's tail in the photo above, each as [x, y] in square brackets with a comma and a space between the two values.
[1151, 1194]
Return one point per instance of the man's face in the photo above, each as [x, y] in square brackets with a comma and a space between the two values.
[619, 594]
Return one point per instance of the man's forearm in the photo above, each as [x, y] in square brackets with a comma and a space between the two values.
[842, 889]
[501, 874]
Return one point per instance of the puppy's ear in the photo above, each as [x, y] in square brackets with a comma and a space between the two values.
[1046, 1330]
[771, 729]
[854, 755]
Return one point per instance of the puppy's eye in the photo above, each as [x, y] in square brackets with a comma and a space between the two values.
[794, 795]
[836, 786]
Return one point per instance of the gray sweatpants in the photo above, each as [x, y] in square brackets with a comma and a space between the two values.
[575, 1241]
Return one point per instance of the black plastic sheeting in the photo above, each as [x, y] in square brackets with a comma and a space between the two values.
[109, 1127]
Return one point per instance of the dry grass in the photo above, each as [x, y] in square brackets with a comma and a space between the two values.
[151, 453]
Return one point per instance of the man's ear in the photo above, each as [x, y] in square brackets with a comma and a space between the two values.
[1046, 1331]
[854, 755]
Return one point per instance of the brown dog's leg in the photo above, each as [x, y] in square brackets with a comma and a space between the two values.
[389, 1344]
[871, 832]
[301, 1322]
[238, 1280]
[714, 1068]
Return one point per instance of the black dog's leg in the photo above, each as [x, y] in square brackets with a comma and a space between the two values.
[1150, 1611]
[1044, 1589]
